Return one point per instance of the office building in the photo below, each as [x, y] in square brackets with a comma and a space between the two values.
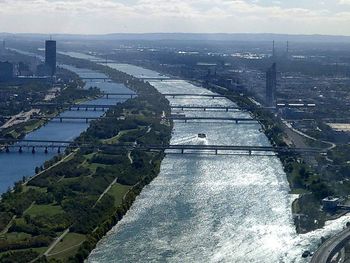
[50, 56]
[6, 71]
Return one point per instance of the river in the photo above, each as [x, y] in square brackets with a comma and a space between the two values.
[15, 166]
[201, 207]
[207, 208]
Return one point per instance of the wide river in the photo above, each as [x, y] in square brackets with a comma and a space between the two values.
[207, 208]
[15, 166]
[201, 207]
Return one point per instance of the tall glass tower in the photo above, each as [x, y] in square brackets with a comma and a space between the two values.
[50, 56]
[271, 86]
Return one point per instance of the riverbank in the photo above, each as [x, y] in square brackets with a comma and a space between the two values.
[71, 93]
[307, 184]
[66, 198]
[303, 180]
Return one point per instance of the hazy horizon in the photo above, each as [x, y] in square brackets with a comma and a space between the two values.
[327, 17]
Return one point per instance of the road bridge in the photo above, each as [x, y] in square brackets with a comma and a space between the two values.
[72, 118]
[73, 106]
[175, 95]
[157, 78]
[204, 108]
[173, 117]
[130, 95]
[185, 148]
[105, 79]
[236, 120]
[331, 247]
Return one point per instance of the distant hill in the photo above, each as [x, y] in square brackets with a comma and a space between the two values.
[189, 36]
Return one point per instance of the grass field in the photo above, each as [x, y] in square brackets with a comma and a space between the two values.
[67, 247]
[118, 191]
[16, 236]
[115, 139]
[37, 249]
[93, 166]
[40, 189]
[49, 210]
[33, 125]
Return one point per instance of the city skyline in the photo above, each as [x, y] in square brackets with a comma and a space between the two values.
[329, 17]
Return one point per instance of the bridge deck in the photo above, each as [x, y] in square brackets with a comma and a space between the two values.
[193, 95]
[53, 143]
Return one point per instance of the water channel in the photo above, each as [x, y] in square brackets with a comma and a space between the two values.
[201, 207]
[207, 208]
[15, 166]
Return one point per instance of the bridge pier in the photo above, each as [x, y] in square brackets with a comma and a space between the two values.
[61, 120]
[78, 108]
[226, 109]
[87, 120]
[236, 121]
[7, 149]
[107, 96]
[20, 149]
[46, 150]
[182, 151]
[216, 151]
[250, 152]
[33, 150]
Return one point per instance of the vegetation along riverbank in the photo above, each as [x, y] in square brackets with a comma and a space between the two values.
[61, 214]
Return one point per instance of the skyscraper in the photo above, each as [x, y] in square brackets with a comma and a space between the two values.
[271, 86]
[50, 56]
[6, 71]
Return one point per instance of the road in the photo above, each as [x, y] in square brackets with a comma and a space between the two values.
[19, 118]
[330, 247]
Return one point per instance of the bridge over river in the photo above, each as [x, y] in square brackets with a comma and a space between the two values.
[7, 144]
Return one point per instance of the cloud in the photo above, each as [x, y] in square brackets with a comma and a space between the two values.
[106, 16]
[344, 2]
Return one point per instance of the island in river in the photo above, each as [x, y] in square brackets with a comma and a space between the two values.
[60, 214]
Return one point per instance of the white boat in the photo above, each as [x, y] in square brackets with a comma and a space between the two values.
[202, 135]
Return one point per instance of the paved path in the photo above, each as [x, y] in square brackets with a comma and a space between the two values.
[330, 247]
[53, 244]
[105, 191]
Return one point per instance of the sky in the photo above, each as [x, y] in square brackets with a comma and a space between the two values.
[331, 17]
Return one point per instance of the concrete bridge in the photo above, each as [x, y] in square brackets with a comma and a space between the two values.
[70, 107]
[62, 118]
[175, 95]
[129, 95]
[173, 117]
[157, 78]
[331, 247]
[105, 79]
[7, 144]
[204, 108]
[236, 120]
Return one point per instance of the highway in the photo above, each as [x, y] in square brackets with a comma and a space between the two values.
[330, 247]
